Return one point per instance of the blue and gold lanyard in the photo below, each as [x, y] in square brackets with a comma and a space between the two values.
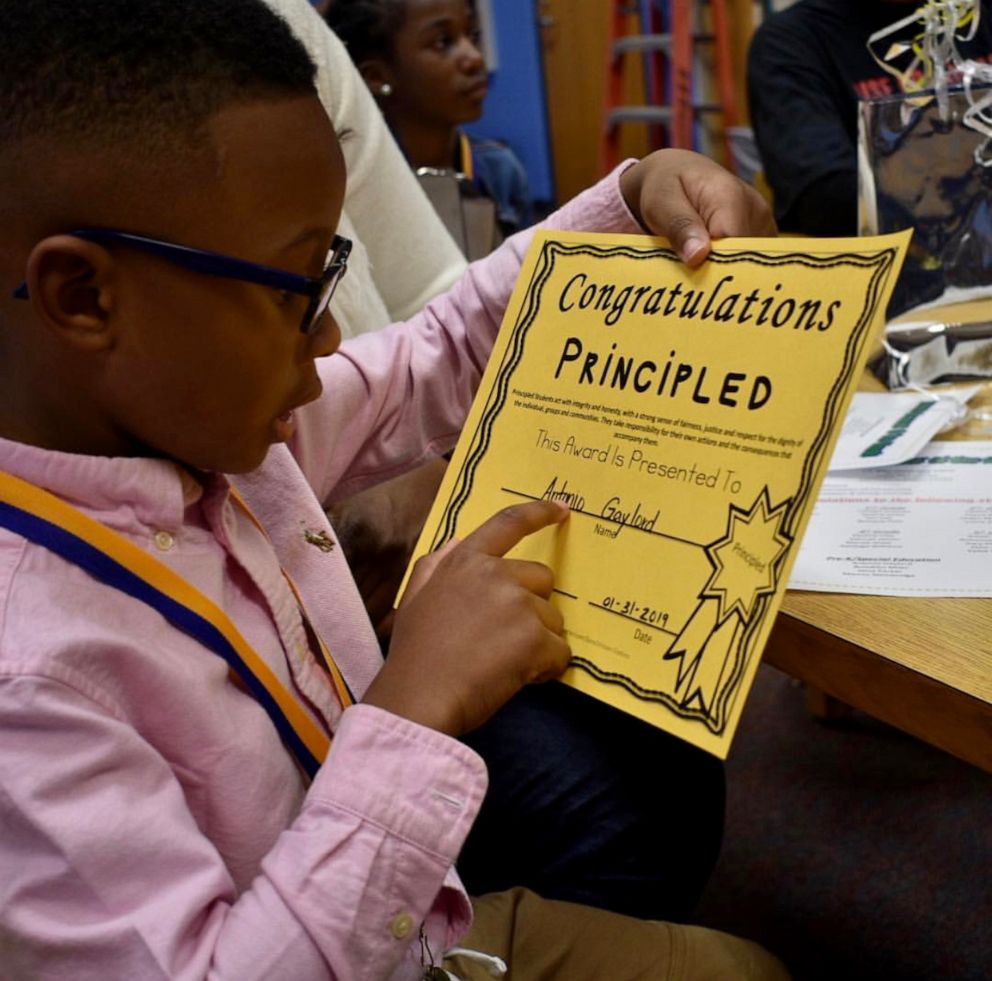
[466, 163]
[109, 557]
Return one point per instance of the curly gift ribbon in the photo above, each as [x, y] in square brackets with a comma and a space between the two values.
[934, 61]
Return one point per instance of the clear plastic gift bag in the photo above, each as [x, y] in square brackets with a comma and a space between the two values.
[921, 167]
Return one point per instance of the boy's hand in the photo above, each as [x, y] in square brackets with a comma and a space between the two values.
[689, 199]
[477, 630]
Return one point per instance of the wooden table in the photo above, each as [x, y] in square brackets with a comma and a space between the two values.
[923, 665]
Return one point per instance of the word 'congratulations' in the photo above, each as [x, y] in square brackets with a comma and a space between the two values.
[722, 304]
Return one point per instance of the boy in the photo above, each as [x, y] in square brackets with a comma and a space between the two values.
[170, 193]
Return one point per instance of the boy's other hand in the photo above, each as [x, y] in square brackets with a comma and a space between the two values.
[690, 200]
[474, 627]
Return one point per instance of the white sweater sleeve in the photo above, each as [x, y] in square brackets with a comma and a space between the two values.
[404, 256]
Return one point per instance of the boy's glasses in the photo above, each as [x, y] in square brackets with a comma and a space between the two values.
[319, 290]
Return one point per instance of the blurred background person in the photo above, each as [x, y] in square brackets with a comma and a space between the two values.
[808, 66]
[422, 62]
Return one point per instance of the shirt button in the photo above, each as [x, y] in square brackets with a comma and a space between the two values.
[164, 540]
[402, 926]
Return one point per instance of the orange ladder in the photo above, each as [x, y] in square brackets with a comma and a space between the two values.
[669, 106]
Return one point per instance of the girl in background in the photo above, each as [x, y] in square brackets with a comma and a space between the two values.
[421, 60]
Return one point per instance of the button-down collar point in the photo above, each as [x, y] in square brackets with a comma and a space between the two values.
[164, 540]
[402, 926]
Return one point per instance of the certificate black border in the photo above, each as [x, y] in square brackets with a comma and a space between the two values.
[883, 261]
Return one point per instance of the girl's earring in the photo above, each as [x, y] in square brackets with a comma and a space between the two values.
[385, 90]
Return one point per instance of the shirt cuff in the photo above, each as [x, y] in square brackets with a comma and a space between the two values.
[419, 784]
[601, 208]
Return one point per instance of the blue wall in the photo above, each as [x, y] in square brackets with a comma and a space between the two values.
[515, 107]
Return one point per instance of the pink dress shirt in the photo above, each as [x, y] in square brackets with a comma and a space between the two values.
[152, 824]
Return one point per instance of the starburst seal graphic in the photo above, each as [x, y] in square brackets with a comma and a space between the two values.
[744, 559]
[707, 652]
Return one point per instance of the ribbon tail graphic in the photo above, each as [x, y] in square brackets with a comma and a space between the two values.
[687, 649]
[702, 649]
[713, 668]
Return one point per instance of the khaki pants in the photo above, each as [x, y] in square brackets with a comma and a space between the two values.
[545, 940]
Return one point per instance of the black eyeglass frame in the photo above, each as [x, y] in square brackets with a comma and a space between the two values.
[319, 290]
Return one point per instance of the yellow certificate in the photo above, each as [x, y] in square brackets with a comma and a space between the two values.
[687, 418]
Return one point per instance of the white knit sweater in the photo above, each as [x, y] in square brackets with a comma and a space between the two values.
[403, 255]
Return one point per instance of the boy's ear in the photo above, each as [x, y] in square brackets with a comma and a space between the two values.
[377, 74]
[71, 287]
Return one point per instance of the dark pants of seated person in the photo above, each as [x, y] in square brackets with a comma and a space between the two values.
[590, 805]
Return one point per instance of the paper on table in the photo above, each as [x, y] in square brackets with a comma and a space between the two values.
[883, 428]
[921, 528]
[687, 417]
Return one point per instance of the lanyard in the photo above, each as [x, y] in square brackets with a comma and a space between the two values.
[337, 679]
[467, 164]
[109, 557]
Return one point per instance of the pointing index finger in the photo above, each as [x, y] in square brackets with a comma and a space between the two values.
[512, 525]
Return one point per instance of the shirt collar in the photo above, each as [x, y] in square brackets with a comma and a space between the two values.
[155, 491]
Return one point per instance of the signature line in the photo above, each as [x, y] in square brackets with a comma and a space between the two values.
[599, 517]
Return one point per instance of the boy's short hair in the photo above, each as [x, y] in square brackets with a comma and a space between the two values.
[139, 71]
